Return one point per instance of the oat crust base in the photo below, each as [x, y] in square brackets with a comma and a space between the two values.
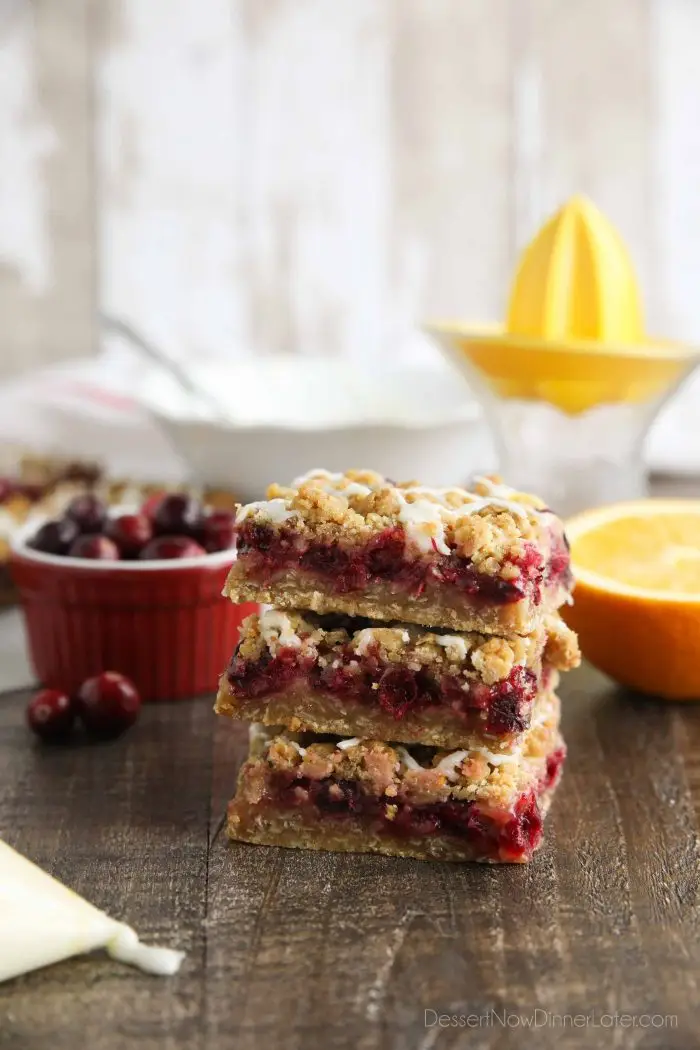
[265, 827]
[378, 602]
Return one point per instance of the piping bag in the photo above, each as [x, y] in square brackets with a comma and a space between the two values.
[42, 922]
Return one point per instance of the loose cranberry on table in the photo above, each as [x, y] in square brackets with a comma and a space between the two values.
[171, 547]
[55, 537]
[88, 512]
[217, 531]
[177, 514]
[108, 704]
[130, 533]
[98, 547]
[51, 715]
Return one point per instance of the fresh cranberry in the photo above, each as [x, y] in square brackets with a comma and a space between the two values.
[177, 515]
[130, 532]
[217, 532]
[7, 489]
[88, 512]
[55, 537]
[171, 547]
[151, 505]
[108, 704]
[100, 548]
[51, 715]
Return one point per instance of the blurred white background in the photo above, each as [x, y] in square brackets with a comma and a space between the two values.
[315, 176]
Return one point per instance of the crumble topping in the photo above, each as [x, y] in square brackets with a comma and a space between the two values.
[324, 638]
[416, 773]
[487, 525]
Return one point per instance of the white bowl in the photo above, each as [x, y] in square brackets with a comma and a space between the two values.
[283, 416]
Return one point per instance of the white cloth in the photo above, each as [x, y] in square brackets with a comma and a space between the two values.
[89, 410]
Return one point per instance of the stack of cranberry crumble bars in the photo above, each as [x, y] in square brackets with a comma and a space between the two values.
[401, 688]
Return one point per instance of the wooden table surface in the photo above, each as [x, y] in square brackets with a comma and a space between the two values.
[313, 951]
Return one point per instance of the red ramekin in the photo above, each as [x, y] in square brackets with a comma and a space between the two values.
[164, 624]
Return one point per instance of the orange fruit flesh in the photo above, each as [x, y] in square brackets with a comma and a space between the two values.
[654, 552]
[637, 597]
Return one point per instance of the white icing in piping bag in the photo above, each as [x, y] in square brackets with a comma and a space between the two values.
[43, 922]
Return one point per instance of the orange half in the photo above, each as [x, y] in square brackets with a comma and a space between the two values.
[637, 597]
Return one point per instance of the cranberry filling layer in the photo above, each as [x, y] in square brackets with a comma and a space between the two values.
[269, 552]
[514, 837]
[397, 690]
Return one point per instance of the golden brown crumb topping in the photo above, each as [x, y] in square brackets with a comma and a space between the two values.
[419, 774]
[490, 658]
[487, 523]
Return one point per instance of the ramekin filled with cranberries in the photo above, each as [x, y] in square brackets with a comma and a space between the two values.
[137, 590]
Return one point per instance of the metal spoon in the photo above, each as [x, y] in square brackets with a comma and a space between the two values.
[193, 390]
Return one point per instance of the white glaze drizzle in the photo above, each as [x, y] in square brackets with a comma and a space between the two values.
[259, 739]
[363, 639]
[312, 475]
[497, 758]
[495, 488]
[274, 510]
[424, 520]
[436, 513]
[407, 759]
[448, 764]
[276, 627]
[344, 745]
[297, 747]
[454, 640]
[125, 947]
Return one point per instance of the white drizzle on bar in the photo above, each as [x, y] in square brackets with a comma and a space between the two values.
[276, 627]
[448, 764]
[437, 514]
[453, 641]
[275, 510]
[424, 520]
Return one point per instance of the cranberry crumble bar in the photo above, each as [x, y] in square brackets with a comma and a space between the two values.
[348, 676]
[401, 685]
[489, 559]
[355, 795]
